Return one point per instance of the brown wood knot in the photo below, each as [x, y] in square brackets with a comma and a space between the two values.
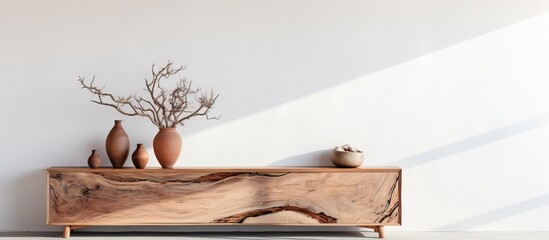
[239, 218]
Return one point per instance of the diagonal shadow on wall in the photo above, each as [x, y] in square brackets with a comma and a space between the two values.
[279, 78]
[473, 142]
[498, 214]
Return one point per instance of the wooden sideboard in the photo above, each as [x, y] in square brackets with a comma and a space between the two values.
[298, 196]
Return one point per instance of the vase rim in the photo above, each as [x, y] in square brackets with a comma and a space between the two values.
[168, 128]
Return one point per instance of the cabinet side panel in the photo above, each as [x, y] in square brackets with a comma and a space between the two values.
[400, 197]
[47, 206]
[140, 198]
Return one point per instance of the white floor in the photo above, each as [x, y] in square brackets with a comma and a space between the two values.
[286, 235]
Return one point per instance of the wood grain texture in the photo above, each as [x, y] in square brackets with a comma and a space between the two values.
[295, 196]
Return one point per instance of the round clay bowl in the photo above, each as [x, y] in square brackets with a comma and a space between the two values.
[347, 159]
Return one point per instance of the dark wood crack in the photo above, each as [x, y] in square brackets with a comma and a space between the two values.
[215, 177]
[239, 218]
[209, 178]
[53, 197]
[55, 176]
[388, 203]
[395, 207]
[133, 179]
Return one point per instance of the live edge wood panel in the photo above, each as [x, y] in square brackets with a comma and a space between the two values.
[281, 196]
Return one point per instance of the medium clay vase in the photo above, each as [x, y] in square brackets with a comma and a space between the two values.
[140, 157]
[94, 161]
[117, 145]
[167, 146]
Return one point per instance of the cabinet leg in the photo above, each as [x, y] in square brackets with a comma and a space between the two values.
[381, 232]
[378, 229]
[66, 232]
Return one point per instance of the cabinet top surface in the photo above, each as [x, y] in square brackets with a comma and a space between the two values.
[229, 169]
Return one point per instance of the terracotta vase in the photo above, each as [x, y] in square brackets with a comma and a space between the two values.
[94, 161]
[167, 146]
[140, 157]
[117, 145]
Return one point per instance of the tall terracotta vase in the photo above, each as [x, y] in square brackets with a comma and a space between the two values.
[167, 146]
[117, 145]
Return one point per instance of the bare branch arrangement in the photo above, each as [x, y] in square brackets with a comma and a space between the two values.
[165, 108]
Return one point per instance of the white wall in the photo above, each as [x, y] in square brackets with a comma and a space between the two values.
[455, 92]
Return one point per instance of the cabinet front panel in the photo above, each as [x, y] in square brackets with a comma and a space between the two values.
[142, 198]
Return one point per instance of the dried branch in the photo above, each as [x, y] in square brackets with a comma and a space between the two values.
[164, 108]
